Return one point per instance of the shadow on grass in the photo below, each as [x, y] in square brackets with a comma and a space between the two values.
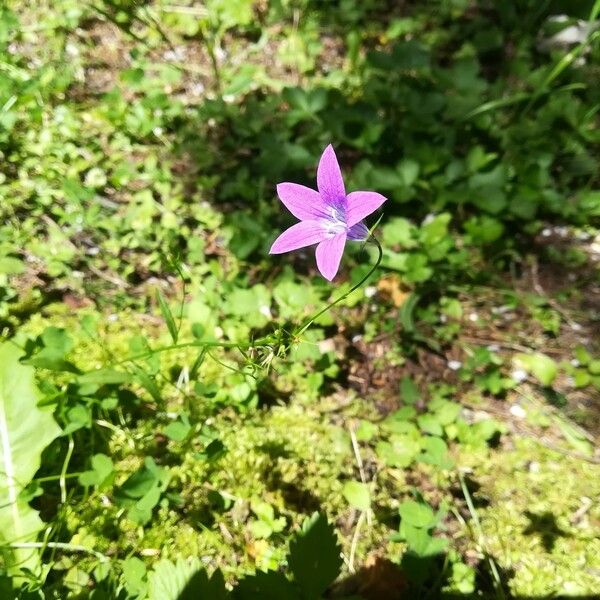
[424, 578]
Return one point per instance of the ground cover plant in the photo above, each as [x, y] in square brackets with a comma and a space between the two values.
[195, 405]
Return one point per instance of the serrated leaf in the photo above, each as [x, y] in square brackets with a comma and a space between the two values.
[25, 430]
[168, 580]
[314, 557]
[357, 494]
[167, 316]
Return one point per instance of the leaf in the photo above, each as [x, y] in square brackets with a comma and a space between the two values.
[416, 514]
[400, 451]
[167, 316]
[104, 377]
[141, 491]
[147, 382]
[178, 430]
[168, 580]
[357, 494]
[405, 314]
[25, 430]
[542, 367]
[409, 171]
[134, 576]
[101, 474]
[435, 452]
[314, 557]
[409, 392]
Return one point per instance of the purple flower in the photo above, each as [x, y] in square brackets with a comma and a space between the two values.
[328, 217]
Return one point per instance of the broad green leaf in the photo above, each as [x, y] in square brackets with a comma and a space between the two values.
[416, 514]
[101, 474]
[314, 557]
[168, 580]
[542, 367]
[357, 494]
[409, 392]
[25, 430]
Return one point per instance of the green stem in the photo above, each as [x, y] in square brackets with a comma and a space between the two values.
[312, 319]
[58, 546]
[63, 474]
[264, 341]
[196, 344]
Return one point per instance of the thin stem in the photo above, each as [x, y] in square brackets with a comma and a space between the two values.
[58, 546]
[261, 342]
[195, 344]
[481, 541]
[63, 472]
[344, 296]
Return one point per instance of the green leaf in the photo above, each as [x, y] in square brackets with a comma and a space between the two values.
[409, 171]
[167, 316]
[435, 452]
[400, 451]
[102, 473]
[409, 392]
[25, 430]
[168, 580]
[104, 377]
[542, 367]
[357, 494]
[178, 430]
[314, 557]
[405, 314]
[142, 491]
[417, 514]
[134, 576]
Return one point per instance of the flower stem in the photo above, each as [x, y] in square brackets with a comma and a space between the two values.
[263, 342]
[312, 319]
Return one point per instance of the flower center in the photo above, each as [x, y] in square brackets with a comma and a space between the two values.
[337, 221]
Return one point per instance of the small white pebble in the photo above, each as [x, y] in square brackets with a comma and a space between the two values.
[473, 317]
[519, 375]
[356, 338]
[575, 362]
[546, 232]
[518, 411]
[326, 346]
[370, 291]
[443, 318]
[265, 311]
[455, 365]
[534, 467]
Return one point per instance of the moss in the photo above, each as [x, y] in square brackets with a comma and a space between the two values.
[536, 524]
